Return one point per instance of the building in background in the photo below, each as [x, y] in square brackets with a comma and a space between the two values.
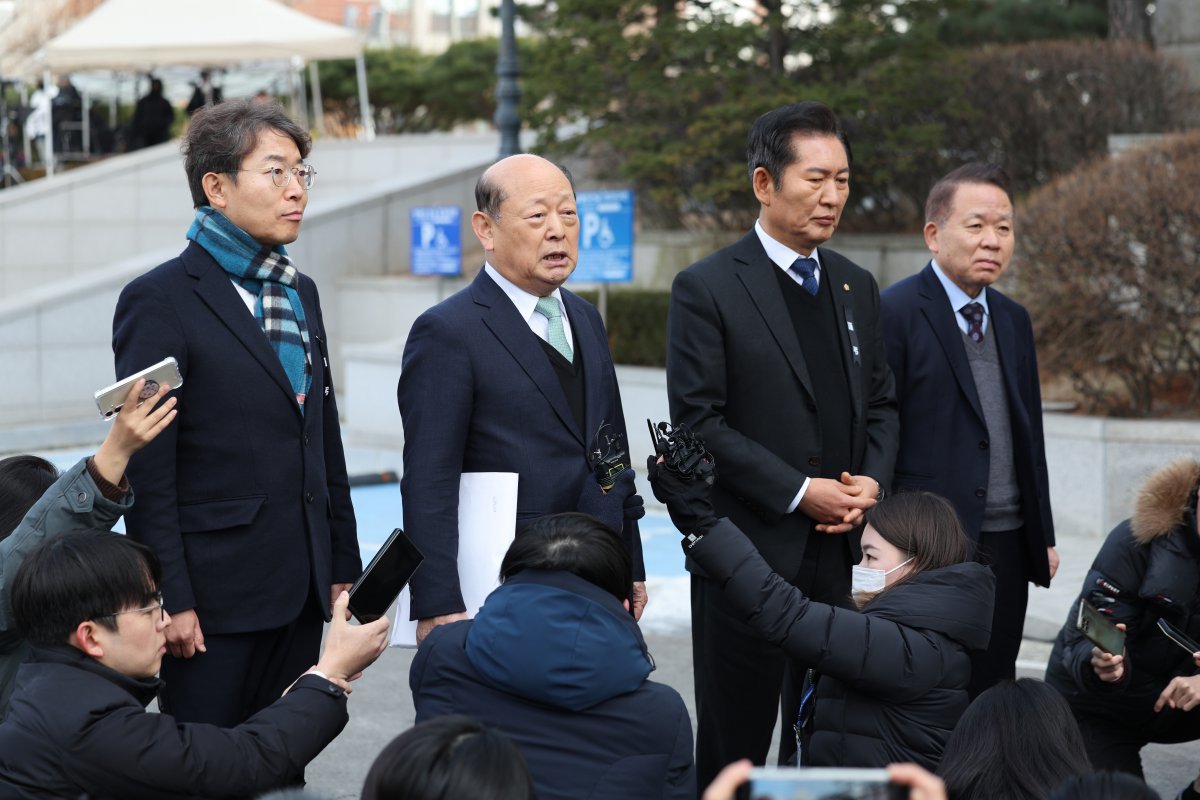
[428, 25]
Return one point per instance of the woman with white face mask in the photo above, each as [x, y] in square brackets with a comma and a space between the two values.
[888, 680]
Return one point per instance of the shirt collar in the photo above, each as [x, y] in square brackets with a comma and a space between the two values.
[780, 254]
[959, 298]
[525, 302]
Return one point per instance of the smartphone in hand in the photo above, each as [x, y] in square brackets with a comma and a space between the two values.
[165, 373]
[1099, 629]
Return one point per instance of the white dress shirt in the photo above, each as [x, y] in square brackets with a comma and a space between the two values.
[526, 305]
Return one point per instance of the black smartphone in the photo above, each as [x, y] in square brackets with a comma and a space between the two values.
[782, 783]
[1178, 637]
[1099, 629]
[385, 577]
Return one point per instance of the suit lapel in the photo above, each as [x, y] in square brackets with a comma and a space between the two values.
[217, 292]
[936, 309]
[500, 316]
[1004, 332]
[757, 273]
[843, 301]
[591, 349]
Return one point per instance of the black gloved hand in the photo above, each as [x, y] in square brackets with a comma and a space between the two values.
[635, 506]
[610, 508]
[687, 499]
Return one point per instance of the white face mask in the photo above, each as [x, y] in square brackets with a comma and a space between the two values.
[868, 580]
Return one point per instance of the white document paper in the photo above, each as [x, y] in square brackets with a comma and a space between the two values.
[487, 523]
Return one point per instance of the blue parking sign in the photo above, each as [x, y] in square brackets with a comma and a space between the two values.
[436, 240]
[605, 236]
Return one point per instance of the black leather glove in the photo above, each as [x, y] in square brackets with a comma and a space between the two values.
[687, 499]
[611, 507]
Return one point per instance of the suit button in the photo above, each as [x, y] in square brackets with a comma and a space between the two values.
[983, 443]
[814, 462]
[812, 407]
[308, 496]
[306, 440]
[980, 492]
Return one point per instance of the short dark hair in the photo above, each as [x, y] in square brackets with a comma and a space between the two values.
[576, 543]
[941, 196]
[448, 758]
[1104, 786]
[489, 194]
[23, 481]
[771, 144]
[923, 525]
[1019, 735]
[81, 575]
[219, 137]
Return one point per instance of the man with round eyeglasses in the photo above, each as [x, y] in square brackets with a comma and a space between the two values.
[246, 501]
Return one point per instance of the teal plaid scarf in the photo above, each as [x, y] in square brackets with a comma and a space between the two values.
[269, 274]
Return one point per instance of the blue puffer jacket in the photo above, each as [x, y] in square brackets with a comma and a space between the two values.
[558, 665]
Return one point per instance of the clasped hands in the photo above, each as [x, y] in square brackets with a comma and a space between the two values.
[838, 506]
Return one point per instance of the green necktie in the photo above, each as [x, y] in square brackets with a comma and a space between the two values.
[548, 307]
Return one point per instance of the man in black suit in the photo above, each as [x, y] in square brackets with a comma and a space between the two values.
[245, 499]
[775, 358]
[512, 374]
[970, 400]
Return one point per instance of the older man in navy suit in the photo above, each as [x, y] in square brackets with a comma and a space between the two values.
[245, 499]
[512, 374]
[970, 400]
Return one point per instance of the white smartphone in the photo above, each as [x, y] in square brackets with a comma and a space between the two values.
[164, 373]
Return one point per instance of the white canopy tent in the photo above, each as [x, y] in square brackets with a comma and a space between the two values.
[140, 35]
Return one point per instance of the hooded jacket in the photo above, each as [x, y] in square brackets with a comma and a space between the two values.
[892, 679]
[79, 729]
[1148, 568]
[560, 666]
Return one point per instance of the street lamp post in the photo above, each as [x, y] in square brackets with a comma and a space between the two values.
[508, 91]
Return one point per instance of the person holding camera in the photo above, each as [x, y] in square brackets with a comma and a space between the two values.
[1148, 569]
[889, 680]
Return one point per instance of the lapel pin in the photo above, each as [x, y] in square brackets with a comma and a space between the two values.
[845, 287]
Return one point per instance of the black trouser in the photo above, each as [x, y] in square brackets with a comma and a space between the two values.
[741, 679]
[241, 673]
[1005, 552]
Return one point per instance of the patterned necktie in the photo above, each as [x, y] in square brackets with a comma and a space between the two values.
[806, 268]
[548, 307]
[974, 314]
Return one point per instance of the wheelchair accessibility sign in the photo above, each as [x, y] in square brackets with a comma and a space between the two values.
[605, 237]
[436, 240]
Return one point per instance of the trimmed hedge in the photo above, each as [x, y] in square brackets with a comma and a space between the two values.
[637, 325]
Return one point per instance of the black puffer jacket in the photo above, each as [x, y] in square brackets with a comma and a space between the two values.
[893, 678]
[1148, 567]
[79, 729]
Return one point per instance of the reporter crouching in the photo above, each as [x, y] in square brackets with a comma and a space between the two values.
[889, 681]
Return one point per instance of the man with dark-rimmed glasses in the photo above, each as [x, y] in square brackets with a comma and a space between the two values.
[88, 602]
[245, 500]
